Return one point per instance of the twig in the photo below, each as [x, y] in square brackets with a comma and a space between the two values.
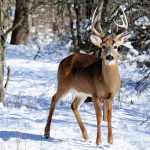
[144, 121]
[142, 81]
[8, 78]
[39, 49]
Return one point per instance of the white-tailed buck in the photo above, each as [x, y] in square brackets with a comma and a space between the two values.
[98, 77]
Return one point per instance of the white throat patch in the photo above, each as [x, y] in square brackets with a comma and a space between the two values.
[112, 62]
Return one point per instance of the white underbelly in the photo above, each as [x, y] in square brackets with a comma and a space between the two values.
[73, 93]
[79, 94]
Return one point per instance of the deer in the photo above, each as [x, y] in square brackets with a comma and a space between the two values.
[90, 75]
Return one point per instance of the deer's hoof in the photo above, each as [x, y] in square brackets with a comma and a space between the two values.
[85, 136]
[46, 133]
[46, 136]
[110, 141]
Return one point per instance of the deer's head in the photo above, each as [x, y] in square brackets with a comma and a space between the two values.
[109, 45]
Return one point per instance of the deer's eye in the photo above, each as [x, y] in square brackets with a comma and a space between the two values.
[115, 47]
[103, 47]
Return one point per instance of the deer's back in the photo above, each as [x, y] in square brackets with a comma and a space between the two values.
[76, 63]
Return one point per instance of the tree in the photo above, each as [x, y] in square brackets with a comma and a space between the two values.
[89, 8]
[75, 25]
[20, 34]
[3, 36]
[3, 11]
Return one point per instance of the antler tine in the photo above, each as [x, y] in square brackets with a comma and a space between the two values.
[101, 33]
[94, 22]
[123, 19]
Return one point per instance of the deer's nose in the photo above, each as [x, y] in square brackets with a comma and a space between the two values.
[109, 57]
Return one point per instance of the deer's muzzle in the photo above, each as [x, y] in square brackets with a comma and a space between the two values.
[109, 57]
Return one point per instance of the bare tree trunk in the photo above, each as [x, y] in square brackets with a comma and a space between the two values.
[75, 19]
[1, 70]
[104, 12]
[89, 8]
[3, 8]
[20, 34]
[77, 9]
[71, 27]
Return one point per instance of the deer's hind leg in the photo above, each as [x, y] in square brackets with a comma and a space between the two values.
[75, 107]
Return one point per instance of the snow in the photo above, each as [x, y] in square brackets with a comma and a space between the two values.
[142, 21]
[1, 105]
[33, 83]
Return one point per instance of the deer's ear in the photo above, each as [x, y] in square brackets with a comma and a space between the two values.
[96, 40]
[122, 40]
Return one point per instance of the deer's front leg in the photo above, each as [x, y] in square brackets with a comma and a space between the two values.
[108, 107]
[97, 104]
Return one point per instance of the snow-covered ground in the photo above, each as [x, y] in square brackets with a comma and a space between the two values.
[33, 83]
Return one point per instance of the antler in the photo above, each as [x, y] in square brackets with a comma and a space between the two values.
[94, 21]
[123, 25]
[123, 19]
